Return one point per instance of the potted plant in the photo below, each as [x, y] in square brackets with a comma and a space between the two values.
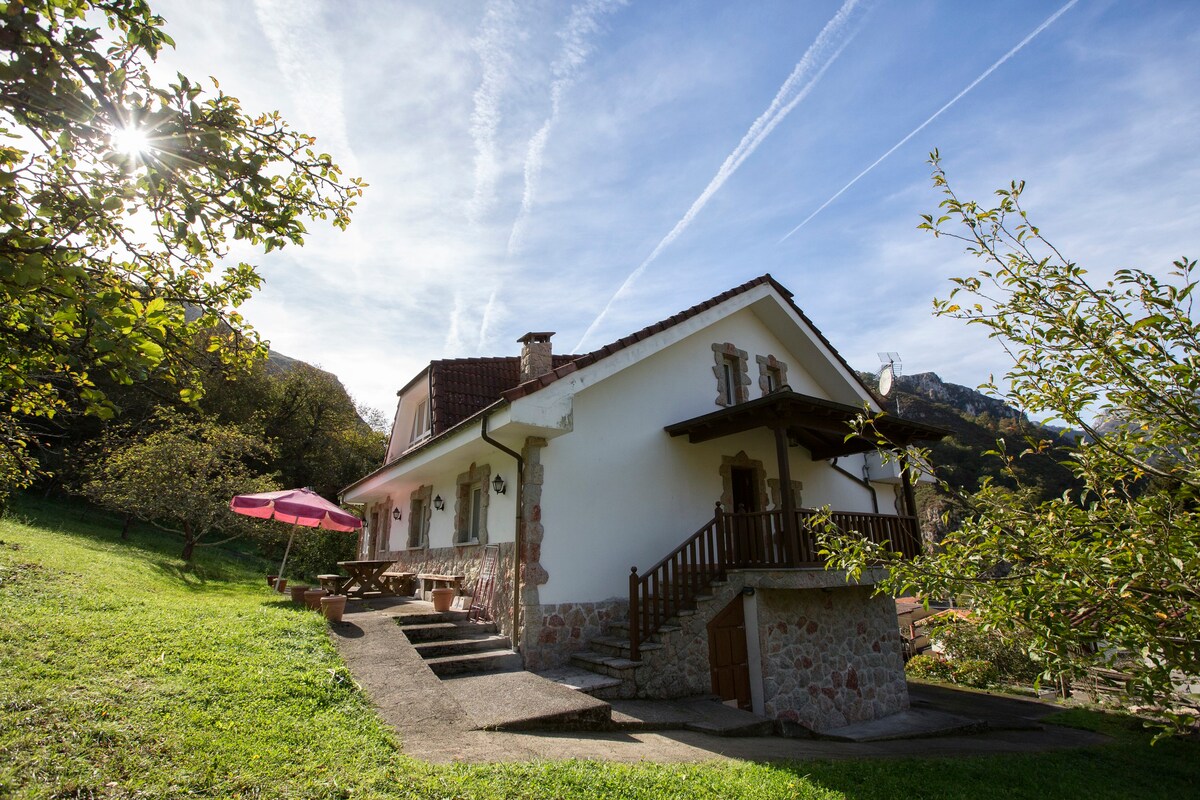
[442, 598]
[332, 606]
[312, 598]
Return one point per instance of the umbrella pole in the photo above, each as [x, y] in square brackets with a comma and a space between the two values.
[287, 550]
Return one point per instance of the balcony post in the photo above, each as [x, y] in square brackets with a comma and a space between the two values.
[790, 538]
[910, 500]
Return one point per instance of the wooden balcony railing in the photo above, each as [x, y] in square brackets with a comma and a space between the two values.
[749, 540]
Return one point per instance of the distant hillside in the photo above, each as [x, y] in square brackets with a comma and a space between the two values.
[977, 422]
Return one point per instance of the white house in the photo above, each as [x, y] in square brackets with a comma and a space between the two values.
[693, 451]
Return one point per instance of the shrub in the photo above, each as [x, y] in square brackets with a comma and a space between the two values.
[928, 666]
[962, 640]
[974, 672]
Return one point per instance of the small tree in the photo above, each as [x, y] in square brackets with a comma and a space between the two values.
[1107, 575]
[181, 477]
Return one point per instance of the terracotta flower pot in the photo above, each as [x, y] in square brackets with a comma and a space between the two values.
[271, 580]
[298, 593]
[312, 598]
[280, 585]
[442, 599]
[332, 606]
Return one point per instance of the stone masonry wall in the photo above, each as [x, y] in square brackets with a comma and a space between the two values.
[830, 657]
[465, 561]
[554, 632]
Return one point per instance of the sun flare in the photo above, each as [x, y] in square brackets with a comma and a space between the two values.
[131, 141]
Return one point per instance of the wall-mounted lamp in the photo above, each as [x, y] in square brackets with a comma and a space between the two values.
[439, 503]
[498, 484]
[396, 513]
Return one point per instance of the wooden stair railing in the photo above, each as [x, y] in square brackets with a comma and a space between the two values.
[745, 540]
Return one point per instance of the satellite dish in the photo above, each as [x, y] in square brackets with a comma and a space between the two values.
[885, 380]
[888, 372]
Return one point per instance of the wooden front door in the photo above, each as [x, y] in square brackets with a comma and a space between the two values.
[728, 660]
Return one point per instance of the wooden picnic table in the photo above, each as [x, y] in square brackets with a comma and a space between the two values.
[365, 575]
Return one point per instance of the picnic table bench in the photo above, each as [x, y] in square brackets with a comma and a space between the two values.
[433, 580]
[400, 583]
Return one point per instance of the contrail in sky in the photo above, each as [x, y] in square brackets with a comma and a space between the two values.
[582, 22]
[828, 45]
[1049, 21]
[498, 31]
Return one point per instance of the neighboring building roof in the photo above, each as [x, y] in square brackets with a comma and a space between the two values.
[461, 387]
[579, 362]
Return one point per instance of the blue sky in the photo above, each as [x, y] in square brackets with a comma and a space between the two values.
[592, 167]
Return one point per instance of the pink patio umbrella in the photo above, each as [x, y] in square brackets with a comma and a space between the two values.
[298, 507]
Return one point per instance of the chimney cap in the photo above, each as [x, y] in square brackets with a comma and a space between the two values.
[536, 337]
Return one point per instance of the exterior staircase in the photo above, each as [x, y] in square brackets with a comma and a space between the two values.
[453, 646]
[610, 654]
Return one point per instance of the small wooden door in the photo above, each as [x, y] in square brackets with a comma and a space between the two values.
[728, 659]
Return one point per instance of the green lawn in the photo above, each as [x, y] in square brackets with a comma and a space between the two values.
[126, 673]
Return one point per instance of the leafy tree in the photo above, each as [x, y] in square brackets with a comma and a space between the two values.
[180, 476]
[1107, 575]
[119, 198]
[305, 412]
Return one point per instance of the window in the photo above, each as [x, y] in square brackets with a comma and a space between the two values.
[420, 425]
[729, 369]
[475, 513]
[731, 374]
[416, 524]
[420, 510]
[470, 514]
[772, 374]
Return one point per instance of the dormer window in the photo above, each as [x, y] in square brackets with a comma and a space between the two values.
[772, 374]
[733, 379]
[420, 426]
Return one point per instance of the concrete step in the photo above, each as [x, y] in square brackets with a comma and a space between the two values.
[430, 617]
[525, 701]
[437, 631]
[705, 715]
[478, 643]
[498, 660]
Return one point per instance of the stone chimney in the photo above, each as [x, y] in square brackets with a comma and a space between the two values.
[535, 355]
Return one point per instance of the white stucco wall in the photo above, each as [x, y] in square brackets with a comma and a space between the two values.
[619, 491]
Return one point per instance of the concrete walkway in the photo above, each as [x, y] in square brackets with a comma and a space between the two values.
[444, 721]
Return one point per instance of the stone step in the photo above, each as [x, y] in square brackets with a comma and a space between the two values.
[620, 630]
[430, 617]
[614, 666]
[618, 646]
[479, 643]
[498, 660]
[438, 631]
[580, 679]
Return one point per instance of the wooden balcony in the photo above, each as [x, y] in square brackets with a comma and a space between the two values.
[754, 540]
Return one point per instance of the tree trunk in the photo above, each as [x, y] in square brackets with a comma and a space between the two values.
[189, 543]
[125, 528]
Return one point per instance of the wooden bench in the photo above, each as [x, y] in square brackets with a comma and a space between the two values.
[432, 580]
[401, 583]
[332, 583]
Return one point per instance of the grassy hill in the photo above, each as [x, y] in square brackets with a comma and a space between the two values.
[127, 673]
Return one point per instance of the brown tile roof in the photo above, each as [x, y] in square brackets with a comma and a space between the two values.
[461, 387]
[579, 362]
